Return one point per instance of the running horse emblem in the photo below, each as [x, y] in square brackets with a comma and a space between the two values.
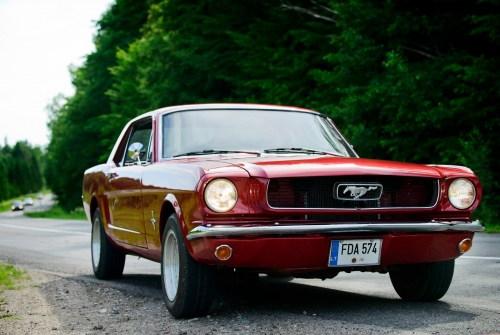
[358, 192]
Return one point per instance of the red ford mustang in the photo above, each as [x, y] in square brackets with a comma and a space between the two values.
[277, 190]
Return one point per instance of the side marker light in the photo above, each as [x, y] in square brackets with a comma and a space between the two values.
[223, 252]
[464, 245]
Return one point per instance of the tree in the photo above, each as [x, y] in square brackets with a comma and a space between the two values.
[4, 181]
[77, 123]
[216, 51]
[417, 81]
[405, 80]
[20, 170]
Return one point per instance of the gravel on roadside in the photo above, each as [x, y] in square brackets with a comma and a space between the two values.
[56, 303]
[59, 304]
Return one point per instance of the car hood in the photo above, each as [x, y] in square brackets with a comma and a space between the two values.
[283, 166]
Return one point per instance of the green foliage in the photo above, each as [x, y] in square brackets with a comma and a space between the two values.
[492, 229]
[20, 170]
[77, 123]
[4, 179]
[419, 82]
[405, 80]
[9, 275]
[213, 51]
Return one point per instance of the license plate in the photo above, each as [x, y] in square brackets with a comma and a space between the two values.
[355, 252]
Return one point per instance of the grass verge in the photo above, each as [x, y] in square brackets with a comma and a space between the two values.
[57, 212]
[9, 277]
[492, 229]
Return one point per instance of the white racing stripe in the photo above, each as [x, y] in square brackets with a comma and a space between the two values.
[481, 257]
[45, 230]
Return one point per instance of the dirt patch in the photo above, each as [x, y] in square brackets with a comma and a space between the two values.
[25, 310]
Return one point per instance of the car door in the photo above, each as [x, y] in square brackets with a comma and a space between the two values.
[124, 194]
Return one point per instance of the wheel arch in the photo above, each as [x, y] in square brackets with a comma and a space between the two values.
[93, 206]
[166, 210]
[169, 207]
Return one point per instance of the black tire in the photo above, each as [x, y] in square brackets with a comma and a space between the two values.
[107, 262]
[422, 282]
[188, 286]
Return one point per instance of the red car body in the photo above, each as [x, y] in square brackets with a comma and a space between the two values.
[270, 229]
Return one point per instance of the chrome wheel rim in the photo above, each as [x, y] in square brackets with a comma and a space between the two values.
[170, 264]
[96, 243]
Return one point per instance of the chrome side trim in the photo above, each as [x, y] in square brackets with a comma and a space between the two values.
[123, 229]
[335, 228]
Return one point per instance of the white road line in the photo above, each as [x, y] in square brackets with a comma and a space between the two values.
[45, 230]
[481, 257]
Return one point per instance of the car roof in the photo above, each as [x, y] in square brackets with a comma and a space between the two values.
[219, 106]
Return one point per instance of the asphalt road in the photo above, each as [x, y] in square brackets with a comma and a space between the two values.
[471, 306]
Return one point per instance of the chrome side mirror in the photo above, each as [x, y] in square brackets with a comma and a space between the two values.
[136, 152]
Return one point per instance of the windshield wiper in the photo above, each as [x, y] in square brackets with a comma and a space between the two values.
[302, 151]
[218, 151]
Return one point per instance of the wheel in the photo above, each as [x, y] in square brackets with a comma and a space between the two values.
[188, 286]
[422, 282]
[107, 261]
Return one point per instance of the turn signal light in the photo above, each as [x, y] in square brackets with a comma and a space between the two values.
[464, 245]
[223, 252]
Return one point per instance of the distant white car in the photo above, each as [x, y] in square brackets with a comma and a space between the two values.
[28, 201]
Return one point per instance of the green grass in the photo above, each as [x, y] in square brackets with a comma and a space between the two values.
[9, 276]
[491, 229]
[57, 212]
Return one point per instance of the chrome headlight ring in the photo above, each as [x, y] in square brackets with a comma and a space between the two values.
[221, 195]
[462, 193]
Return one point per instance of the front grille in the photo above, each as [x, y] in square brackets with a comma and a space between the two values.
[318, 192]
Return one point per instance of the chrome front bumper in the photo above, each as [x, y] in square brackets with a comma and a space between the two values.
[335, 228]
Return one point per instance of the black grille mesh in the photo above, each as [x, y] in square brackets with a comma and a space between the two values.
[318, 192]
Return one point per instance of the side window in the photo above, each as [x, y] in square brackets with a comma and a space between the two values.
[139, 146]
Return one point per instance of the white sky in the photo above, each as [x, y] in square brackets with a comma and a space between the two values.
[39, 39]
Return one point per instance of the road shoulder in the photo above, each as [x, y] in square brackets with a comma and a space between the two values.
[30, 311]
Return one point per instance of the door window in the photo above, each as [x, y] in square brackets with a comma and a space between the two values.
[139, 146]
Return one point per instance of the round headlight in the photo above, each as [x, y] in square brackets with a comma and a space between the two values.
[221, 195]
[462, 193]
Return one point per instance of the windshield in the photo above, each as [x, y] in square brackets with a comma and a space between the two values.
[191, 132]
